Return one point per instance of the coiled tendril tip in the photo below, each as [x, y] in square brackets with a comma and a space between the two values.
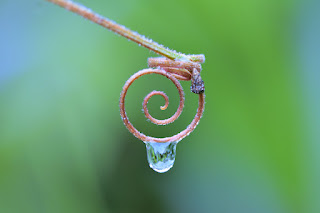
[173, 71]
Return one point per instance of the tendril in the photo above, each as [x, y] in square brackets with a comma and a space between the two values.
[175, 66]
[173, 117]
[171, 77]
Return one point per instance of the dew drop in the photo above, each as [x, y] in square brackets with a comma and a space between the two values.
[161, 156]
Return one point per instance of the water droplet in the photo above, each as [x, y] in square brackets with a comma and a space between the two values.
[161, 156]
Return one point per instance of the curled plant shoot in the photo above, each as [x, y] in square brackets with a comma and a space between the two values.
[173, 65]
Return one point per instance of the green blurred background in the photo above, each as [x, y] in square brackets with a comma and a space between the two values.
[64, 148]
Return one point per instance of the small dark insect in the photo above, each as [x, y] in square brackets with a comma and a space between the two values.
[197, 84]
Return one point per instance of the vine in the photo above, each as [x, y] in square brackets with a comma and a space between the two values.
[175, 66]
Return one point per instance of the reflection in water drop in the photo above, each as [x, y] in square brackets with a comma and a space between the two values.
[161, 156]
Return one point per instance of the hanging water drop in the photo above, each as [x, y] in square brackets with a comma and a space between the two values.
[161, 156]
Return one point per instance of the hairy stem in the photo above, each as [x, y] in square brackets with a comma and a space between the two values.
[125, 32]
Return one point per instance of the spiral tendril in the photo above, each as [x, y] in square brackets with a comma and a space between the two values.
[165, 121]
[174, 80]
[175, 66]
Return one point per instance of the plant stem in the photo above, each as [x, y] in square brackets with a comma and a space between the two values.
[125, 32]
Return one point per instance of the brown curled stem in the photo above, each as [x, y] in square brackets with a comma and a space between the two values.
[172, 118]
[179, 69]
[164, 62]
[144, 137]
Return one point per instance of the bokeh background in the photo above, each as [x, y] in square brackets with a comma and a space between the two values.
[64, 148]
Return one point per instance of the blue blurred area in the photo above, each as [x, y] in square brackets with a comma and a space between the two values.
[64, 148]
